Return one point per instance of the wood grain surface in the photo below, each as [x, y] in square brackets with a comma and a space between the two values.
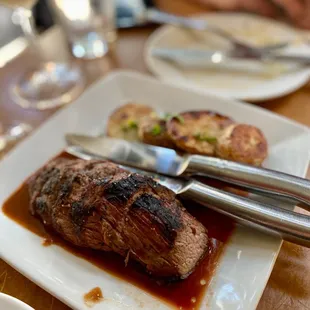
[288, 286]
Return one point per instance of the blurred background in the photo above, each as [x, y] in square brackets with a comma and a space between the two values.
[43, 17]
[296, 12]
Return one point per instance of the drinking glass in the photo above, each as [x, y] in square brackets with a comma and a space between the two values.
[88, 24]
[47, 84]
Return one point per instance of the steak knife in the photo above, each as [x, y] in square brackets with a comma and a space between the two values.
[167, 161]
[229, 60]
[195, 55]
[288, 225]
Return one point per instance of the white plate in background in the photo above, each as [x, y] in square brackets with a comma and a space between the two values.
[249, 257]
[221, 81]
[8, 302]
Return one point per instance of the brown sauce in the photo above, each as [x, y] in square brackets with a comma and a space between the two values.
[47, 241]
[93, 297]
[185, 294]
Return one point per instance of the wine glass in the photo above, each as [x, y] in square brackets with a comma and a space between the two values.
[47, 84]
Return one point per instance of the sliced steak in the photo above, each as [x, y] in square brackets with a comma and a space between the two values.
[96, 204]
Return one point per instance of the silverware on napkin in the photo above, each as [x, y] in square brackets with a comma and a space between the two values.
[275, 221]
[167, 161]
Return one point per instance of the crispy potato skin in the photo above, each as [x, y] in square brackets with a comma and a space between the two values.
[242, 143]
[209, 123]
[119, 119]
[225, 138]
[147, 134]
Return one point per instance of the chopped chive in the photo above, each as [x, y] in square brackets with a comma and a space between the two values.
[156, 130]
[203, 137]
[167, 117]
[131, 124]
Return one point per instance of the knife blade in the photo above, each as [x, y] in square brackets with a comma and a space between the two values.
[265, 62]
[274, 221]
[169, 162]
[146, 157]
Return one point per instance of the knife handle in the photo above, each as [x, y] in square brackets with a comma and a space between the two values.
[161, 17]
[299, 59]
[260, 179]
[288, 225]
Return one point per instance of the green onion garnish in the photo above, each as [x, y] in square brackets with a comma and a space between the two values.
[156, 130]
[131, 124]
[203, 137]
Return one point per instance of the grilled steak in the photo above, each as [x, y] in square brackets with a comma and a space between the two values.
[96, 204]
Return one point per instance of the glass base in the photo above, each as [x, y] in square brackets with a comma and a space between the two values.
[51, 85]
[12, 133]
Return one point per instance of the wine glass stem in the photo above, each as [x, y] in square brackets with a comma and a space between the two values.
[27, 24]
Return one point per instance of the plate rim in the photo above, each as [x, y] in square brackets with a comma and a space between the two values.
[22, 305]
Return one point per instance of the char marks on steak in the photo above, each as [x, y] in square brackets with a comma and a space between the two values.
[98, 205]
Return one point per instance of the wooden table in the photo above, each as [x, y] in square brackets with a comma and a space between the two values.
[289, 284]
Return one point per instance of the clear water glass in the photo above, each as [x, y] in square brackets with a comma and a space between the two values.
[44, 84]
[89, 25]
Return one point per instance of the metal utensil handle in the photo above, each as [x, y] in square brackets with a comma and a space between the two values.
[301, 59]
[279, 222]
[265, 180]
[160, 17]
[156, 16]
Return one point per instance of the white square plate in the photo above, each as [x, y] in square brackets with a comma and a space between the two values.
[249, 257]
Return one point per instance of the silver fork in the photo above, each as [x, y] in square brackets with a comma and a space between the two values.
[240, 48]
